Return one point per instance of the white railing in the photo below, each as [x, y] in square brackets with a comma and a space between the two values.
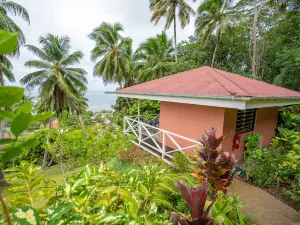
[154, 139]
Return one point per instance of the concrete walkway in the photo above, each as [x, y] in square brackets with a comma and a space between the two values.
[264, 207]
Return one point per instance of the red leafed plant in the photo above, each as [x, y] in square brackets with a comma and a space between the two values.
[214, 164]
[195, 198]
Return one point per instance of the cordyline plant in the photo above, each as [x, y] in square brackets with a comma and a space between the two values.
[214, 164]
[195, 198]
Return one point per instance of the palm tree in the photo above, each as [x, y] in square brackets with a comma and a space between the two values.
[216, 17]
[167, 9]
[61, 87]
[6, 70]
[131, 73]
[155, 56]
[6, 23]
[110, 48]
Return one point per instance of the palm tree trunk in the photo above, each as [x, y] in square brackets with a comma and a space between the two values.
[175, 37]
[44, 167]
[216, 48]
[254, 40]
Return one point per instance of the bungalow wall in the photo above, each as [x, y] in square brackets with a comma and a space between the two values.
[193, 120]
[265, 124]
[189, 120]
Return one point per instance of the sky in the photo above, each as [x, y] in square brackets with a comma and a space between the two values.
[77, 18]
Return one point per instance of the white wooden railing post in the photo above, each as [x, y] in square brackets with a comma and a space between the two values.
[139, 122]
[124, 125]
[163, 145]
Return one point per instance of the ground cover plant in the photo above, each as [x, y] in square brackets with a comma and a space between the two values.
[277, 166]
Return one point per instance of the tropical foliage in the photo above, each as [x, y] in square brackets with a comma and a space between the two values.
[61, 87]
[168, 10]
[278, 165]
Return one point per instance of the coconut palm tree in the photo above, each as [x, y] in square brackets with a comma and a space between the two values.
[216, 17]
[131, 73]
[6, 70]
[155, 56]
[109, 48]
[60, 85]
[168, 9]
[6, 23]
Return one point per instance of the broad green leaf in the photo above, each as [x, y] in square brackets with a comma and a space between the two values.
[20, 123]
[7, 115]
[110, 217]
[25, 108]
[8, 42]
[56, 213]
[6, 141]
[77, 219]
[63, 118]
[78, 182]
[11, 153]
[10, 95]
[16, 149]
[42, 116]
[26, 215]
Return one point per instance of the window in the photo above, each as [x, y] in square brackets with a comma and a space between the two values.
[245, 120]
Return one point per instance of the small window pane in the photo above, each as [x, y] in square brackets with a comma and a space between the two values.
[245, 120]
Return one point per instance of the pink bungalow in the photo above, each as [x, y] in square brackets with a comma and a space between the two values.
[192, 102]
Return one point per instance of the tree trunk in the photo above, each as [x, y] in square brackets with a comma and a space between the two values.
[44, 167]
[216, 48]
[254, 40]
[175, 37]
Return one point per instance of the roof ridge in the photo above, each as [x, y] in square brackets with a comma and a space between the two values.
[244, 90]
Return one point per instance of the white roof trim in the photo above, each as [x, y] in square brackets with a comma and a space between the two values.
[225, 102]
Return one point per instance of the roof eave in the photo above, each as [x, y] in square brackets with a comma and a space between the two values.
[237, 102]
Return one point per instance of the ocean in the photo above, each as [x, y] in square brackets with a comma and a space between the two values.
[98, 100]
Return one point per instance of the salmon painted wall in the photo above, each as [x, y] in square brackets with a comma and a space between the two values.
[189, 120]
[266, 121]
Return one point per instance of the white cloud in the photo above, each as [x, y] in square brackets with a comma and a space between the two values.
[77, 18]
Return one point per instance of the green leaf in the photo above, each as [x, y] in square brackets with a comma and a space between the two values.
[20, 123]
[16, 149]
[42, 116]
[11, 153]
[26, 215]
[6, 115]
[56, 213]
[77, 219]
[25, 108]
[8, 42]
[6, 141]
[10, 95]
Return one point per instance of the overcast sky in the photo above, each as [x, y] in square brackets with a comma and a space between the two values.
[77, 18]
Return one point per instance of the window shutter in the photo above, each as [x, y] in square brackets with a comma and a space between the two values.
[245, 120]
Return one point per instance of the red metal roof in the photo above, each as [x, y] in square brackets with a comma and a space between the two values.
[208, 81]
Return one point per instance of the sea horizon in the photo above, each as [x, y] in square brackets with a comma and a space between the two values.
[97, 100]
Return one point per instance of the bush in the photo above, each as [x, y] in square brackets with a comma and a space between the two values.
[136, 156]
[182, 163]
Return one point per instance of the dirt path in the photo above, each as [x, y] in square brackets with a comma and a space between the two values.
[266, 208]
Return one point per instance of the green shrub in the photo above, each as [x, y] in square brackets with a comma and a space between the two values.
[181, 163]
